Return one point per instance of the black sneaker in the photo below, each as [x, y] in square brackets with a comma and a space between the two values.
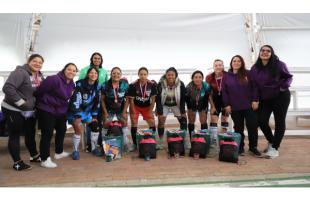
[20, 165]
[36, 159]
[88, 149]
[255, 152]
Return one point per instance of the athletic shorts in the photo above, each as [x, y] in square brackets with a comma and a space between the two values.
[171, 109]
[198, 108]
[144, 111]
[85, 118]
[217, 100]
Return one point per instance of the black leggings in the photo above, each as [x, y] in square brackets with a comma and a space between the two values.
[16, 125]
[48, 122]
[250, 118]
[278, 106]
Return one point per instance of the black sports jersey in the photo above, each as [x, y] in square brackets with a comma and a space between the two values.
[142, 94]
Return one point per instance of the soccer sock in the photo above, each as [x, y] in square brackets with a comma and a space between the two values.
[183, 123]
[153, 129]
[76, 142]
[224, 125]
[191, 128]
[161, 132]
[94, 139]
[134, 135]
[204, 126]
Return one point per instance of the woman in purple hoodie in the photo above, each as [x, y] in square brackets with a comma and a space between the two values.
[271, 81]
[53, 97]
[237, 99]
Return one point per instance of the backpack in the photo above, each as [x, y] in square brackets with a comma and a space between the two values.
[112, 146]
[175, 140]
[115, 129]
[113, 142]
[229, 151]
[146, 144]
[200, 144]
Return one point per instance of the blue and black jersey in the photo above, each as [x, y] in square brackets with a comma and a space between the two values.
[115, 97]
[85, 99]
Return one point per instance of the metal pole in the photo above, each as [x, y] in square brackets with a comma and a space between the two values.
[34, 28]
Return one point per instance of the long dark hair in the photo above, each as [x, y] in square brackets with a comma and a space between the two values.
[242, 71]
[272, 63]
[88, 71]
[114, 68]
[67, 65]
[91, 59]
[143, 68]
[197, 72]
[172, 69]
[33, 56]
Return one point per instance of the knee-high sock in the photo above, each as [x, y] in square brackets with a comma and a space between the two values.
[224, 125]
[153, 129]
[134, 135]
[191, 128]
[204, 126]
[161, 132]
[183, 123]
[76, 142]
[94, 139]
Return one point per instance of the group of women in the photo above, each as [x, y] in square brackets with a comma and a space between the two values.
[248, 96]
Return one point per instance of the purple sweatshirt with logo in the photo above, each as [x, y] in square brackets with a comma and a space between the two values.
[269, 87]
[54, 94]
[236, 94]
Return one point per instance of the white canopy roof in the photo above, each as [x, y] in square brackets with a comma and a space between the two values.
[151, 40]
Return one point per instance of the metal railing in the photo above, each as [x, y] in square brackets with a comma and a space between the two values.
[185, 73]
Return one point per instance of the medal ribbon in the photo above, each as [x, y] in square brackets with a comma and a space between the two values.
[143, 93]
[219, 84]
[115, 91]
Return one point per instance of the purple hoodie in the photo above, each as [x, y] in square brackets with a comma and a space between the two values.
[54, 94]
[238, 96]
[267, 87]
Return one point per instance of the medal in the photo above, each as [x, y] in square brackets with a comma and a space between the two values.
[143, 93]
[219, 84]
[197, 95]
[197, 98]
[115, 91]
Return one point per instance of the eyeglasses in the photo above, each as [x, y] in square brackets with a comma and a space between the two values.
[267, 50]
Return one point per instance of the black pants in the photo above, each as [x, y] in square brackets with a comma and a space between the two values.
[16, 125]
[250, 118]
[48, 122]
[278, 106]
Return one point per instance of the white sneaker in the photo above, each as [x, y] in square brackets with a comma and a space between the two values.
[48, 163]
[272, 153]
[61, 155]
[269, 146]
